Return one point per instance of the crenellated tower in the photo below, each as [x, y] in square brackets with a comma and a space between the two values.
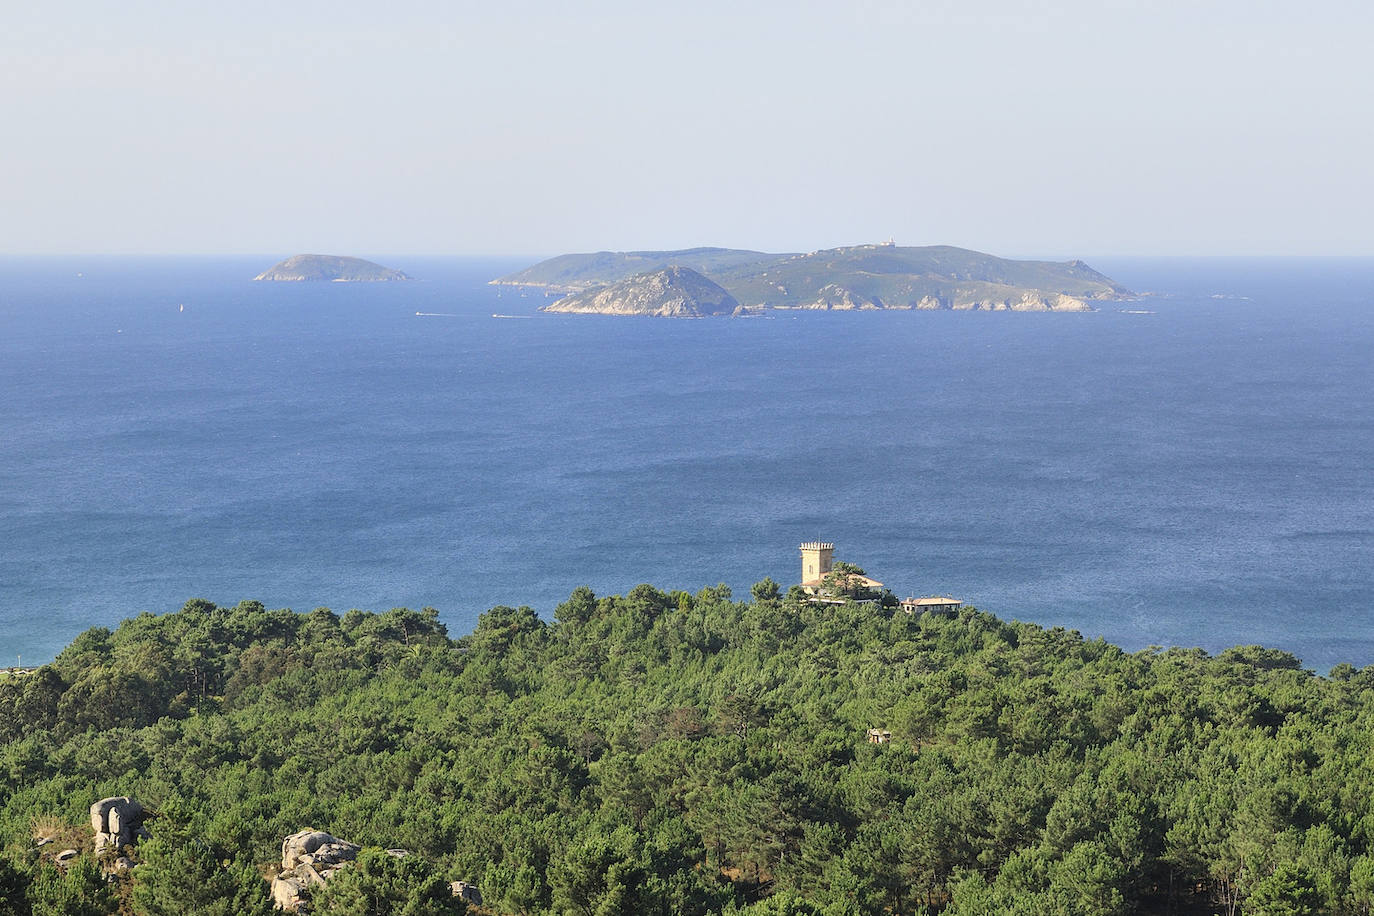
[817, 559]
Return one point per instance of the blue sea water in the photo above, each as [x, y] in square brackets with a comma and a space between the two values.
[1199, 475]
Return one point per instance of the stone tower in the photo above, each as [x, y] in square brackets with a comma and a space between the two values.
[817, 557]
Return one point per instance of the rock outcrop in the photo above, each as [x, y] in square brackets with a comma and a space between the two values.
[671, 292]
[836, 298]
[468, 892]
[311, 857]
[1027, 302]
[317, 848]
[117, 822]
[311, 267]
[308, 859]
[289, 891]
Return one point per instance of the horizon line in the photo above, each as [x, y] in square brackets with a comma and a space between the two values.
[10, 255]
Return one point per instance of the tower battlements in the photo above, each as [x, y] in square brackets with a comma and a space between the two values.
[818, 557]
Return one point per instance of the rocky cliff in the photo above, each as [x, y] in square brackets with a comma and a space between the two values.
[670, 292]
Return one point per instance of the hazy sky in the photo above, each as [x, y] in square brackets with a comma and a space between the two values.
[1054, 129]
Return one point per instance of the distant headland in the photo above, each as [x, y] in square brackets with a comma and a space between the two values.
[303, 267]
[669, 292]
[861, 277]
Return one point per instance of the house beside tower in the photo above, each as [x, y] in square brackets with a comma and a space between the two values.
[818, 561]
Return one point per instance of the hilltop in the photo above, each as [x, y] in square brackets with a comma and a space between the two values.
[660, 753]
[841, 279]
[570, 273]
[670, 292]
[302, 267]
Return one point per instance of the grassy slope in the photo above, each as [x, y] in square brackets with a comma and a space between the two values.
[573, 272]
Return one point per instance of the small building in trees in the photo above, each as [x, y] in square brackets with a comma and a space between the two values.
[879, 736]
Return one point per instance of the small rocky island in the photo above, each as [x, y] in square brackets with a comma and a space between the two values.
[722, 281]
[671, 292]
[302, 267]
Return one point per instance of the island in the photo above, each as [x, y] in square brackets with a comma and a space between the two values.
[855, 278]
[303, 267]
[670, 292]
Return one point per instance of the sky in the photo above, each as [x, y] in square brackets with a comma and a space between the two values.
[528, 127]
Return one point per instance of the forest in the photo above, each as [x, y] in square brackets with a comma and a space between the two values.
[674, 753]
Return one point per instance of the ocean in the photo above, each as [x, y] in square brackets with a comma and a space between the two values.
[1191, 469]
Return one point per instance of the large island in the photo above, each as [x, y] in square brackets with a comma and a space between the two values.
[860, 277]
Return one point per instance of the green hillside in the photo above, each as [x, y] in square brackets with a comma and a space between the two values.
[670, 753]
[569, 273]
